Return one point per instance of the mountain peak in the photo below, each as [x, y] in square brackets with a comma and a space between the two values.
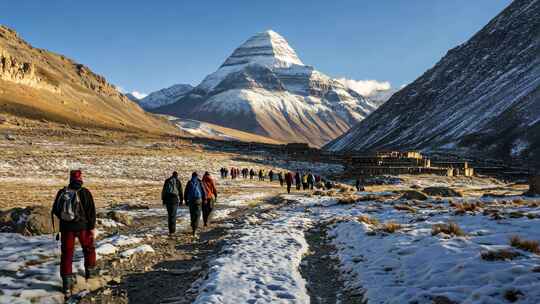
[265, 48]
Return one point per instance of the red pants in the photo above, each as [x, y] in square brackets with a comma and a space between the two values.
[68, 245]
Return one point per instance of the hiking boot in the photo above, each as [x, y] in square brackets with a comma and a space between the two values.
[91, 273]
[68, 283]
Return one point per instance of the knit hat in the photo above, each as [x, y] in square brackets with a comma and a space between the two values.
[75, 176]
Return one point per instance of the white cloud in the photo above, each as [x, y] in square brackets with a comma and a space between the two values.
[366, 87]
[139, 95]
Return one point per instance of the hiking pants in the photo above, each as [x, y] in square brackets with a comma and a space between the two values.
[207, 208]
[86, 239]
[195, 213]
[172, 209]
[297, 186]
[289, 188]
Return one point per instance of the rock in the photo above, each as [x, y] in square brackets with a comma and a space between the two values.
[534, 186]
[414, 195]
[34, 220]
[121, 217]
[3, 120]
[442, 191]
[10, 137]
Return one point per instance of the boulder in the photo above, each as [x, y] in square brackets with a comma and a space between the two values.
[3, 120]
[414, 195]
[121, 217]
[34, 220]
[442, 191]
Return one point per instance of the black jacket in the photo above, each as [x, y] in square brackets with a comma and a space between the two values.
[87, 202]
[169, 198]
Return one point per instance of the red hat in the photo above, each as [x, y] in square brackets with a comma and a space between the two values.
[75, 175]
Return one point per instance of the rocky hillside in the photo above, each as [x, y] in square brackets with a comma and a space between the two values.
[482, 97]
[165, 96]
[264, 88]
[39, 84]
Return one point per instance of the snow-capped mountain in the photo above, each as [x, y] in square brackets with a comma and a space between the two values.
[482, 96]
[264, 88]
[165, 96]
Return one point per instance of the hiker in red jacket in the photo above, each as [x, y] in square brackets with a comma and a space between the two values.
[289, 181]
[211, 196]
[74, 207]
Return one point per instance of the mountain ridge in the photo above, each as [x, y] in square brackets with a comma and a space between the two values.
[264, 88]
[481, 97]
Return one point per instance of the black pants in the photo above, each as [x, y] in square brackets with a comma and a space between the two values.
[297, 186]
[207, 208]
[195, 213]
[289, 188]
[172, 209]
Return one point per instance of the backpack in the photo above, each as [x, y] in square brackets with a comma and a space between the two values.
[195, 190]
[171, 187]
[68, 206]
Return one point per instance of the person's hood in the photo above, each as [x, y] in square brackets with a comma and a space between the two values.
[75, 185]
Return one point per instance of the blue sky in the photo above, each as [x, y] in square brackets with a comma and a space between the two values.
[148, 45]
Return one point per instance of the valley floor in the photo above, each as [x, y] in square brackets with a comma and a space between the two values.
[266, 246]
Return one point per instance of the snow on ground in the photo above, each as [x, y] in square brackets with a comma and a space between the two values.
[261, 264]
[29, 265]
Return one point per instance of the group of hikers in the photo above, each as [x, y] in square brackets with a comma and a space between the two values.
[74, 207]
[302, 181]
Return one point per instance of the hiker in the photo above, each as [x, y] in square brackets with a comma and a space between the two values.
[288, 181]
[280, 178]
[172, 197]
[74, 207]
[271, 175]
[261, 175]
[311, 180]
[211, 197]
[304, 182]
[194, 196]
[232, 173]
[251, 173]
[297, 180]
[360, 184]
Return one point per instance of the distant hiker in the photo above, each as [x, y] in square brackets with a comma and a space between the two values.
[245, 173]
[74, 207]
[304, 181]
[172, 197]
[280, 178]
[223, 172]
[360, 184]
[271, 175]
[194, 196]
[288, 181]
[211, 197]
[317, 179]
[232, 173]
[251, 173]
[297, 180]
[310, 180]
[261, 175]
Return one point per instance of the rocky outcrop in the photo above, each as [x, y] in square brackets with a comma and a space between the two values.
[482, 97]
[442, 191]
[165, 96]
[39, 84]
[28, 221]
[264, 88]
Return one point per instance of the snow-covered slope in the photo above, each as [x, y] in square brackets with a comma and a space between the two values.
[483, 96]
[165, 96]
[264, 88]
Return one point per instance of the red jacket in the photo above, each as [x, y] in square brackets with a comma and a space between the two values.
[209, 187]
[288, 178]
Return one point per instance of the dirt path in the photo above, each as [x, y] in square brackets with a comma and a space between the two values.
[169, 275]
[320, 271]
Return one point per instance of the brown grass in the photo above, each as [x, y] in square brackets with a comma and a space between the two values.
[463, 208]
[390, 227]
[527, 245]
[500, 255]
[347, 200]
[450, 228]
[368, 220]
[405, 208]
